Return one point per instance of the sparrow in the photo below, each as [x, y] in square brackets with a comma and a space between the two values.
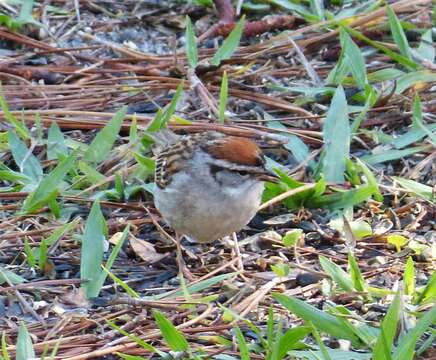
[209, 185]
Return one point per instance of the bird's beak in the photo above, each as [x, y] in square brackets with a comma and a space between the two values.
[268, 175]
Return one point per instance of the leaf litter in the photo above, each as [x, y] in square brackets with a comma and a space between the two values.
[327, 269]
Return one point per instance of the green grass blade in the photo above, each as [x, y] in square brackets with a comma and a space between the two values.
[121, 283]
[403, 60]
[230, 44]
[5, 352]
[243, 347]
[355, 274]
[418, 121]
[102, 144]
[21, 130]
[390, 155]
[224, 92]
[136, 339]
[406, 348]
[429, 292]
[56, 143]
[409, 277]
[166, 116]
[322, 320]
[49, 185]
[24, 344]
[336, 273]
[173, 337]
[322, 347]
[113, 255]
[383, 347]
[398, 33]
[28, 164]
[191, 44]
[92, 251]
[195, 288]
[336, 134]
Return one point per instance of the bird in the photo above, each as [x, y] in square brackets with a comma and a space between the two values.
[208, 185]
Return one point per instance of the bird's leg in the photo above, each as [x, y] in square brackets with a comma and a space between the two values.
[240, 264]
[183, 269]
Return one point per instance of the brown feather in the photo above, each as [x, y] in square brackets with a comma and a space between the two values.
[237, 150]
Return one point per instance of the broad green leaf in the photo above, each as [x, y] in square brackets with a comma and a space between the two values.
[92, 251]
[339, 71]
[410, 79]
[426, 48]
[92, 175]
[398, 33]
[243, 347]
[291, 237]
[173, 337]
[9, 276]
[355, 58]
[28, 164]
[56, 142]
[383, 347]
[224, 92]
[384, 75]
[393, 154]
[336, 273]
[102, 144]
[399, 241]
[322, 320]
[295, 145]
[409, 277]
[341, 200]
[290, 339]
[148, 163]
[230, 44]
[191, 44]
[49, 185]
[24, 345]
[406, 348]
[412, 136]
[280, 269]
[336, 134]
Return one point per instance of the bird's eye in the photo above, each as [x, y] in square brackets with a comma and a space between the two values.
[243, 173]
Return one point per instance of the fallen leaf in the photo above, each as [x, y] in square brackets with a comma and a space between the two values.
[145, 250]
